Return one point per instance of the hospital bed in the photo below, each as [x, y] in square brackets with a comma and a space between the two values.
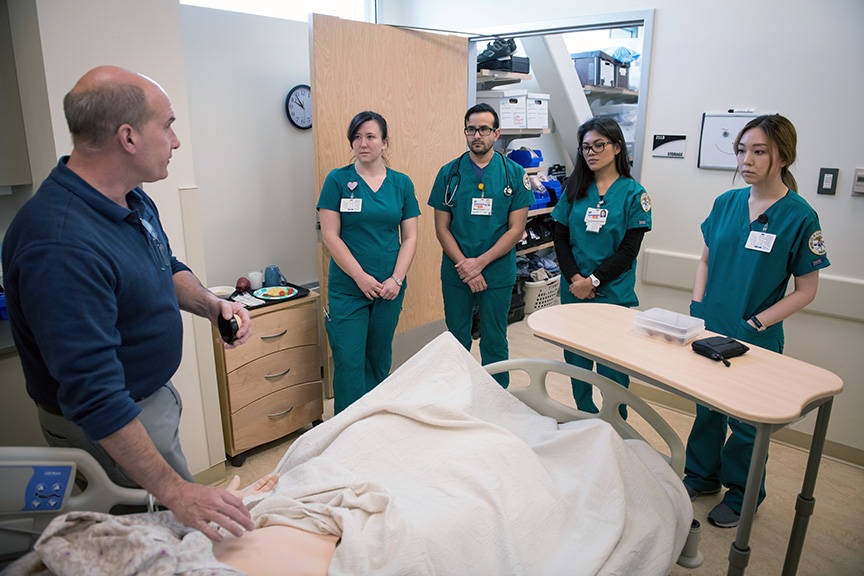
[39, 483]
[31, 475]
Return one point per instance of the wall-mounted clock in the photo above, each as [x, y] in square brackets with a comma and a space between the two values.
[298, 106]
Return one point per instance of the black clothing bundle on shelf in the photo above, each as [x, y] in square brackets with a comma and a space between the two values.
[539, 230]
[520, 64]
[559, 172]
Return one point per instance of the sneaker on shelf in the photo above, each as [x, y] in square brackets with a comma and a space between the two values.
[723, 516]
[499, 48]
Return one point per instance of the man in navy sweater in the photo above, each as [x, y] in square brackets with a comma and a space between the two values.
[94, 297]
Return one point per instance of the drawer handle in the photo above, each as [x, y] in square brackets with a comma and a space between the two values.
[274, 376]
[282, 333]
[278, 414]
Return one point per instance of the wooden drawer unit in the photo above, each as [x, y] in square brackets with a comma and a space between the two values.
[276, 415]
[271, 385]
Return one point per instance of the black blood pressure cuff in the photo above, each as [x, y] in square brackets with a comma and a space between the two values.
[719, 348]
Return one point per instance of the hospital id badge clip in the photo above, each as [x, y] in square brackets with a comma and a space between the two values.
[351, 204]
[761, 241]
[481, 206]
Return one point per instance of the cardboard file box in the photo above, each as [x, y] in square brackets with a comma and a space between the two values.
[622, 75]
[537, 110]
[595, 68]
[509, 104]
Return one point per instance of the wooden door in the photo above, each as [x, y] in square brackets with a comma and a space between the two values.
[419, 82]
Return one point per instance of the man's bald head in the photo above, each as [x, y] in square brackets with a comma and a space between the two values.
[104, 99]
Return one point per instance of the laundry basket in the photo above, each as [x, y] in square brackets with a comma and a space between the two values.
[542, 294]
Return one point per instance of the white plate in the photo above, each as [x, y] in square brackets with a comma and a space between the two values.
[222, 291]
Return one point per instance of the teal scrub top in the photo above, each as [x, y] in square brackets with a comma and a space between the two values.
[743, 282]
[475, 234]
[629, 207]
[372, 235]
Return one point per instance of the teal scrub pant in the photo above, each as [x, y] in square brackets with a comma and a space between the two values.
[360, 332]
[712, 459]
[494, 308]
[583, 392]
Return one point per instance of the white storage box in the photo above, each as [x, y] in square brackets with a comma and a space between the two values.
[670, 325]
[542, 294]
[509, 104]
[537, 110]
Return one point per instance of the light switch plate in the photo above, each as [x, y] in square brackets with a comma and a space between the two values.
[827, 181]
[858, 182]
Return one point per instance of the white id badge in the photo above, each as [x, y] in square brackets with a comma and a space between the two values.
[481, 206]
[351, 205]
[761, 241]
[595, 218]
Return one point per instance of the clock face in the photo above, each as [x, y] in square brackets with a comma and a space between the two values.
[298, 106]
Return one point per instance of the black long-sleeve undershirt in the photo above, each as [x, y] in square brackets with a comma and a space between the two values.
[611, 267]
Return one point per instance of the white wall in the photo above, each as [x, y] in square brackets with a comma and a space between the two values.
[254, 169]
[796, 58]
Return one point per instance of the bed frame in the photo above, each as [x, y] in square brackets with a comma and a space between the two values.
[39, 484]
[28, 474]
[536, 396]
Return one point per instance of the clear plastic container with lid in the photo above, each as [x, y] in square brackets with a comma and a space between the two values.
[672, 326]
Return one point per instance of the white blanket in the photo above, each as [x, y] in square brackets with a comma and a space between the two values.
[441, 471]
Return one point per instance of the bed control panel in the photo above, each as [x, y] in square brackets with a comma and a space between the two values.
[34, 487]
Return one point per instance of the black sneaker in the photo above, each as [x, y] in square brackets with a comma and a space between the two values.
[693, 493]
[499, 48]
[723, 516]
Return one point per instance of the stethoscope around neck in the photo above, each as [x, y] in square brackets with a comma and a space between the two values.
[451, 187]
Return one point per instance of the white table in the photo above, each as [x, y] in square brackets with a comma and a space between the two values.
[763, 388]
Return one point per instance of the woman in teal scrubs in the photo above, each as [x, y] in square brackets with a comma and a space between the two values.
[364, 207]
[755, 239]
[599, 225]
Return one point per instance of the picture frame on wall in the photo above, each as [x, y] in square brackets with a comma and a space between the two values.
[717, 139]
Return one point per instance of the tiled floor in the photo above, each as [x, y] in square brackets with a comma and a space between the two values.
[835, 539]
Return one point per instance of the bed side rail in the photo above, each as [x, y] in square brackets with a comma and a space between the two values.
[537, 397]
[100, 495]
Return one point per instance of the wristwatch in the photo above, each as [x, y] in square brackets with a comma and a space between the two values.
[759, 326]
[594, 280]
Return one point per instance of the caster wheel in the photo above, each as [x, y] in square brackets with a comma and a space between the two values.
[238, 460]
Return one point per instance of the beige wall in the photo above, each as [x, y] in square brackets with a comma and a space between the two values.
[257, 201]
[58, 42]
[792, 57]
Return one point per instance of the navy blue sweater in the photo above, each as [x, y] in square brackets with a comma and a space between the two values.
[91, 301]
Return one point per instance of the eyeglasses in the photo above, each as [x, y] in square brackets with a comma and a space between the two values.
[597, 147]
[483, 130]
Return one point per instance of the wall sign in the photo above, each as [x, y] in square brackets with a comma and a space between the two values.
[669, 146]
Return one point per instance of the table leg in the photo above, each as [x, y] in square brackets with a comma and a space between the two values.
[739, 552]
[806, 503]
